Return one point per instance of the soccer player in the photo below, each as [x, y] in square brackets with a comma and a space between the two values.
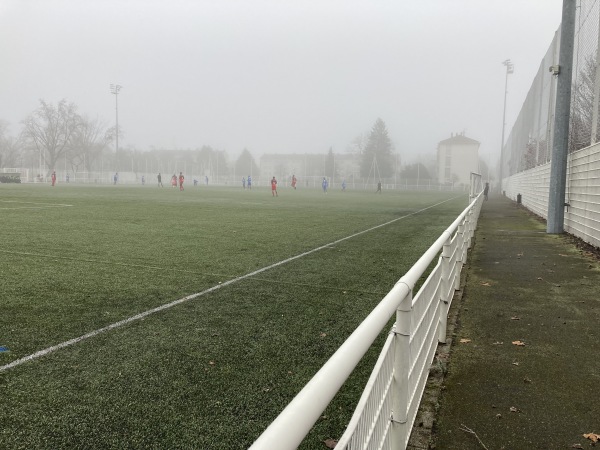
[324, 184]
[181, 181]
[174, 181]
[274, 187]
[159, 178]
[249, 182]
[244, 183]
[294, 180]
[378, 187]
[53, 178]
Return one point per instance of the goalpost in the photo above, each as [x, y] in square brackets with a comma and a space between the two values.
[476, 186]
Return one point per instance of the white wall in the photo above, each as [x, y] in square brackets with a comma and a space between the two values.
[582, 217]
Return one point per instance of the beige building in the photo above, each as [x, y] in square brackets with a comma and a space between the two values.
[457, 157]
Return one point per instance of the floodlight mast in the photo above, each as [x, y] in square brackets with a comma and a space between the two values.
[509, 69]
[114, 89]
[562, 115]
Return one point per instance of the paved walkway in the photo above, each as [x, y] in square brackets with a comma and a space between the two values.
[524, 366]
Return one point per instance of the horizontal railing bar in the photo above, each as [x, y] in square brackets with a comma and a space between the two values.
[289, 428]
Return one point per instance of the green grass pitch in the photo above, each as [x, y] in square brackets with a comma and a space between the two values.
[210, 373]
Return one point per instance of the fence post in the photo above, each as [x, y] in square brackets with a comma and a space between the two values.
[402, 363]
[469, 228]
[445, 287]
[461, 249]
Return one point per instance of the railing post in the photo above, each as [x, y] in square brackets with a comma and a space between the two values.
[445, 285]
[461, 252]
[400, 390]
[470, 228]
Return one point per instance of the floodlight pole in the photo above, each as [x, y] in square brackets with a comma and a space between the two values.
[560, 146]
[114, 89]
[509, 69]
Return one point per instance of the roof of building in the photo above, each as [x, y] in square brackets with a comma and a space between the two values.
[459, 139]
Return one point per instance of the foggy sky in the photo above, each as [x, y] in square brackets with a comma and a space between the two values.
[277, 76]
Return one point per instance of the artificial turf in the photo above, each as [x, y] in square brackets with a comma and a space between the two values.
[210, 373]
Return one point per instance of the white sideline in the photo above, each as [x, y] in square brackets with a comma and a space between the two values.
[48, 350]
[113, 263]
[44, 205]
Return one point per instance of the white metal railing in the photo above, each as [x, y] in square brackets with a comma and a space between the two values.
[388, 406]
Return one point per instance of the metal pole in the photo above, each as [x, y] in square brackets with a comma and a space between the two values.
[117, 130]
[114, 89]
[509, 69]
[560, 149]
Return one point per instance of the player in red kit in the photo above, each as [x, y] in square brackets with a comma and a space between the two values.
[181, 181]
[274, 187]
[53, 178]
[294, 180]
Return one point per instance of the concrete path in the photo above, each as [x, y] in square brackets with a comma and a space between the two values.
[524, 366]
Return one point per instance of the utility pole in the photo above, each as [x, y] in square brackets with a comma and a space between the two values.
[510, 68]
[114, 89]
[560, 148]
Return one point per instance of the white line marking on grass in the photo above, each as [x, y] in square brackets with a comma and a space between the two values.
[43, 205]
[141, 315]
[115, 263]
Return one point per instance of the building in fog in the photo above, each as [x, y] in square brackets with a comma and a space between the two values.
[457, 157]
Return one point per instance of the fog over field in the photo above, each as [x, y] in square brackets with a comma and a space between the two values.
[276, 76]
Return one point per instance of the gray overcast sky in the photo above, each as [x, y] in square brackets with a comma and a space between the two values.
[277, 75]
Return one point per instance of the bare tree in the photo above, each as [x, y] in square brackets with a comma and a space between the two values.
[358, 144]
[10, 147]
[50, 129]
[582, 106]
[88, 142]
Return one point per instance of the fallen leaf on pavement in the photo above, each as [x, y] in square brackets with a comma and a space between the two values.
[514, 409]
[330, 443]
[465, 341]
[515, 318]
[519, 343]
[515, 364]
[485, 283]
[322, 334]
[576, 446]
[592, 437]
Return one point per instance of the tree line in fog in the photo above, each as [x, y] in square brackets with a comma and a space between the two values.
[57, 136]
